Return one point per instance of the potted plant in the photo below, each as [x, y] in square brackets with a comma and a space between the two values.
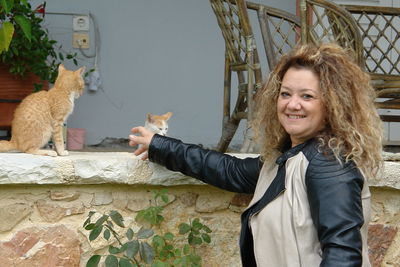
[26, 53]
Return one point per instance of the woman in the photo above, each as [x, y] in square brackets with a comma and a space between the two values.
[320, 139]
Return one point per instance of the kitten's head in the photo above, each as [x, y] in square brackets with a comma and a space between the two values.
[158, 123]
[69, 80]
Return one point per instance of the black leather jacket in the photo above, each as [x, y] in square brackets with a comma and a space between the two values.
[339, 236]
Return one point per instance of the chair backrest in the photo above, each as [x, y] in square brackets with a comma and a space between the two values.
[319, 21]
[325, 21]
[280, 31]
[380, 31]
[236, 29]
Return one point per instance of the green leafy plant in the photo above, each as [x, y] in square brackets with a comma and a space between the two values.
[25, 45]
[149, 246]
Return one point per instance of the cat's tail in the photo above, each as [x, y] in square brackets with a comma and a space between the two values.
[6, 146]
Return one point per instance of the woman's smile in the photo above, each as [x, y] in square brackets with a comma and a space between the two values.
[300, 108]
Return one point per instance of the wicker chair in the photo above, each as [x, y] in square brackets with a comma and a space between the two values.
[380, 31]
[242, 58]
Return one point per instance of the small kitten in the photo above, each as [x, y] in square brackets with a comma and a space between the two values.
[157, 123]
[41, 116]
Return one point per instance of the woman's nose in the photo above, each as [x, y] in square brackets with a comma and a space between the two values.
[294, 103]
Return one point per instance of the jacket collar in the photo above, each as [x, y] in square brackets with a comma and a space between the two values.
[293, 151]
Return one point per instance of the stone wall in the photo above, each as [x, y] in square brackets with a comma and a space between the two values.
[44, 202]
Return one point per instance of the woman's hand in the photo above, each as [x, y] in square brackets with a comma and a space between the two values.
[142, 140]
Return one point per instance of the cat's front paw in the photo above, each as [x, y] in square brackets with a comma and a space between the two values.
[63, 153]
[50, 153]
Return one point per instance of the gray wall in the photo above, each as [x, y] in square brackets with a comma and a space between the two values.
[156, 56]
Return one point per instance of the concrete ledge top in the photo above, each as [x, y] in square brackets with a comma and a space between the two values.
[117, 168]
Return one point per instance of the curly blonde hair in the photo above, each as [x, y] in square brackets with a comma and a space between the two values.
[353, 130]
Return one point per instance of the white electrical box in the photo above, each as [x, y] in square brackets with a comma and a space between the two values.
[80, 23]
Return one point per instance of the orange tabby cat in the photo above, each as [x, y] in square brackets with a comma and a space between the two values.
[41, 116]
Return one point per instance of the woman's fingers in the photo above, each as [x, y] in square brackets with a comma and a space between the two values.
[140, 150]
[141, 137]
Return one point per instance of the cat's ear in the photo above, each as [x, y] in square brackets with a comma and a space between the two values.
[81, 70]
[167, 115]
[149, 117]
[61, 68]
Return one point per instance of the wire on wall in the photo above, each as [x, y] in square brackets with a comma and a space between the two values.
[93, 79]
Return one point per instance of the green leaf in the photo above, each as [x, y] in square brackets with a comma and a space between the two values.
[184, 228]
[195, 259]
[132, 249]
[158, 241]
[7, 5]
[125, 263]
[6, 34]
[25, 25]
[177, 253]
[146, 252]
[111, 261]
[113, 250]
[164, 198]
[196, 224]
[194, 240]
[159, 264]
[101, 220]
[205, 228]
[177, 262]
[93, 261]
[90, 226]
[95, 232]
[106, 234]
[206, 238]
[168, 247]
[129, 234]
[169, 236]
[86, 222]
[144, 233]
[117, 218]
[186, 249]
[197, 241]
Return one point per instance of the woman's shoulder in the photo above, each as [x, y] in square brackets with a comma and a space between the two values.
[323, 163]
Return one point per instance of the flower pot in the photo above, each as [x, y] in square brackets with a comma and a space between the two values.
[75, 138]
[12, 90]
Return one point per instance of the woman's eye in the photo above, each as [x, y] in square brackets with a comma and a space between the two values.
[160, 129]
[306, 96]
[284, 94]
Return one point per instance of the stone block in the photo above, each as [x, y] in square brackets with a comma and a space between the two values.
[380, 238]
[63, 195]
[239, 202]
[52, 212]
[188, 199]
[44, 247]
[212, 202]
[12, 214]
[102, 198]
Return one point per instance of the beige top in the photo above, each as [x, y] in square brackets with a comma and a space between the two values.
[283, 232]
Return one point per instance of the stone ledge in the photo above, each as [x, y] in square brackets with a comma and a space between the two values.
[117, 168]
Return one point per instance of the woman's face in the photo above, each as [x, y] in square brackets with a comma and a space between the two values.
[300, 109]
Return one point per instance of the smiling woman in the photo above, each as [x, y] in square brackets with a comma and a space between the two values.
[321, 142]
